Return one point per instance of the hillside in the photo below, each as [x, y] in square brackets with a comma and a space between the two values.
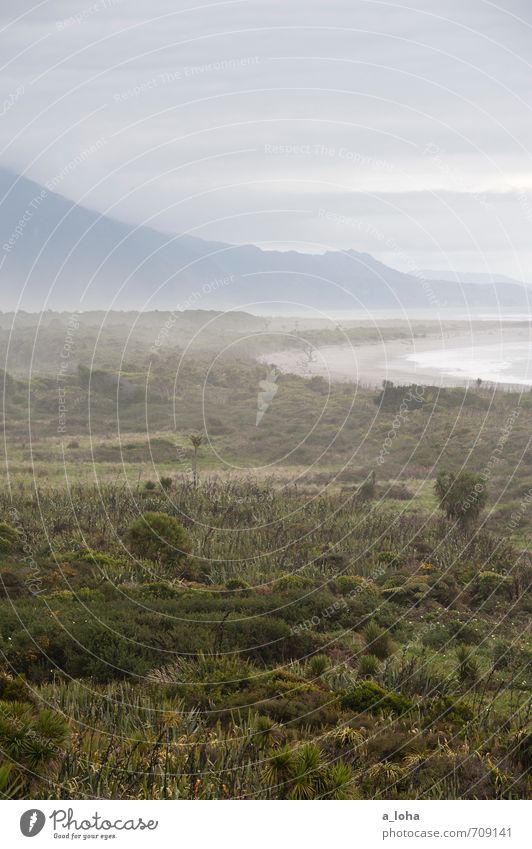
[58, 255]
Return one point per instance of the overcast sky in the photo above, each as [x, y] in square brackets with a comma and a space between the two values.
[404, 132]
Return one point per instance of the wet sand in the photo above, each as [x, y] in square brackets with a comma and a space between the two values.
[481, 353]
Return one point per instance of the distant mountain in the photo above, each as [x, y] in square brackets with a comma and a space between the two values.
[471, 277]
[57, 255]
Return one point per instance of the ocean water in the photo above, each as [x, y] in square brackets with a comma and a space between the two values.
[494, 363]
[449, 361]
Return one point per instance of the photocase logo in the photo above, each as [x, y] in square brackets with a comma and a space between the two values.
[267, 392]
[32, 822]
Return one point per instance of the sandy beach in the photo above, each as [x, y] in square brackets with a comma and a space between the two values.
[501, 355]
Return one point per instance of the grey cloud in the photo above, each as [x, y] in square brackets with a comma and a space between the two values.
[172, 83]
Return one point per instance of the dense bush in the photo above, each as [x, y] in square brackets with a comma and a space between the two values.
[267, 654]
[369, 696]
[489, 584]
[33, 742]
[158, 537]
[454, 710]
[8, 537]
[368, 665]
[461, 496]
[378, 641]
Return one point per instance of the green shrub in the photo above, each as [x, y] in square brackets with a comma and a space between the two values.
[8, 537]
[92, 556]
[436, 637]
[161, 589]
[444, 588]
[488, 584]
[390, 744]
[338, 782]
[204, 679]
[317, 665]
[11, 585]
[412, 590]
[462, 496]
[292, 704]
[369, 696]
[14, 689]
[346, 584]
[33, 741]
[451, 709]
[368, 666]
[361, 605]
[236, 585]
[158, 537]
[378, 642]
[293, 582]
[502, 654]
[468, 670]
[390, 559]
[521, 748]
[470, 632]
[367, 490]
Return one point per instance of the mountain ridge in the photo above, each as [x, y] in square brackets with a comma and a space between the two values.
[56, 254]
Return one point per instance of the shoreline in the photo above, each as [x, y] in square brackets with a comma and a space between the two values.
[371, 363]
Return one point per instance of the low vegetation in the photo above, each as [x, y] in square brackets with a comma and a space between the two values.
[330, 600]
[258, 645]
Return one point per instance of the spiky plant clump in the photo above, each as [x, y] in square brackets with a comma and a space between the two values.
[33, 741]
[317, 665]
[468, 670]
[368, 666]
[378, 641]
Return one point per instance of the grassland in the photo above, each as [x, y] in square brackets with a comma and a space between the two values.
[324, 631]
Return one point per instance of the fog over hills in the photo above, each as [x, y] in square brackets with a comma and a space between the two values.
[470, 277]
[58, 255]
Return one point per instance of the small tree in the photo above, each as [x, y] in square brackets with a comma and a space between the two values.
[197, 440]
[158, 537]
[368, 489]
[8, 537]
[468, 671]
[461, 496]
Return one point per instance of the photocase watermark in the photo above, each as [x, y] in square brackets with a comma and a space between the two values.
[495, 457]
[268, 389]
[177, 75]
[339, 604]
[516, 516]
[414, 395]
[315, 620]
[525, 203]
[66, 824]
[206, 289]
[75, 162]
[323, 150]
[65, 819]
[454, 180]
[64, 370]
[33, 581]
[11, 99]
[23, 222]
[88, 12]
[50, 186]
[32, 822]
